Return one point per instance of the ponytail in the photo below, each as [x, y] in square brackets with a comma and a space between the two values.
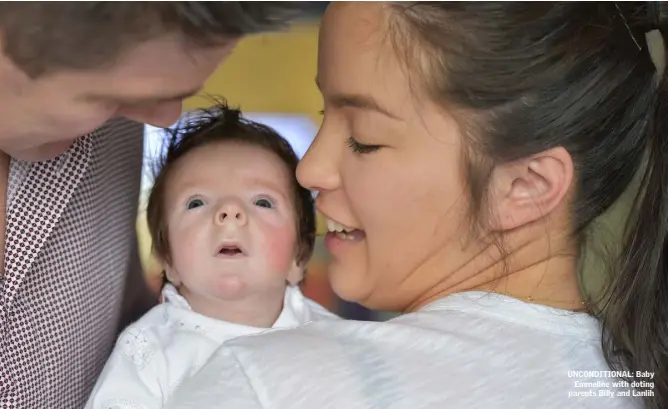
[635, 315]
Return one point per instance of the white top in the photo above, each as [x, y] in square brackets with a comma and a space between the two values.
[465, 351]
[171, 342]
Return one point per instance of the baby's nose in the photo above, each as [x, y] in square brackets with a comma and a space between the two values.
[231, 212]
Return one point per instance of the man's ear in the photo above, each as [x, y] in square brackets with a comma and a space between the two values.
[296, 273]
[527, 190]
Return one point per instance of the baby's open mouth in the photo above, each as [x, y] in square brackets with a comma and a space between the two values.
[230, 250]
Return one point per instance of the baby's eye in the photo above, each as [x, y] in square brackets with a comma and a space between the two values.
[264, 202]
[194, 203]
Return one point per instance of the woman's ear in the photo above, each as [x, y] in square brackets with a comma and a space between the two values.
[527, 190]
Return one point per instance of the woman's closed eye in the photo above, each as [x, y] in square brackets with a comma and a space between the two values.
[356, 146]
[361, 148]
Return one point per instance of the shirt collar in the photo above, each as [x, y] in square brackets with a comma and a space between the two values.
[294, 312]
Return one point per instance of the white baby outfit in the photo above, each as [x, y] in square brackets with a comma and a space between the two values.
[171, 342]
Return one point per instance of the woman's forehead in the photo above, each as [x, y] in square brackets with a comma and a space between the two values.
[357, 63]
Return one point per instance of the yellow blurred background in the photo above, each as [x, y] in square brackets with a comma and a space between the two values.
[270, 73]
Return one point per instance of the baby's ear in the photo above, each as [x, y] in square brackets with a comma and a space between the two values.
[172, 275]
[296, 273]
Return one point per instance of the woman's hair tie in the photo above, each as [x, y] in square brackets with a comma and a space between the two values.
[654, 38]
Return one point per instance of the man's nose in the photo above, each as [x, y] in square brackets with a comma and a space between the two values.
[231, 212]
[161, 115]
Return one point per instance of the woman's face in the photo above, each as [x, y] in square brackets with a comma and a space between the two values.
[408, 197]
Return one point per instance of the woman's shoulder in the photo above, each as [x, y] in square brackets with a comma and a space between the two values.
[410, 362]
[462, 316]
[304, 308]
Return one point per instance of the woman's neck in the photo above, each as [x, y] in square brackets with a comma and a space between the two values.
[537, 268]
[552, 283]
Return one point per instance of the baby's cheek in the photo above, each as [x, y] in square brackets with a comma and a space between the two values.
[184, 250]
[280, 247]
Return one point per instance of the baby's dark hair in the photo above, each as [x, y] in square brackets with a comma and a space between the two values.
[222, 124]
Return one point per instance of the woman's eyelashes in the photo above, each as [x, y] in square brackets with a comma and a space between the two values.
[361, 148]
[357, 147]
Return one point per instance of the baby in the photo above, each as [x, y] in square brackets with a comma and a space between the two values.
[233, 230]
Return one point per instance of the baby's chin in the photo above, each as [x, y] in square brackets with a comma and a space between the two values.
[229, 287]
[235, 300]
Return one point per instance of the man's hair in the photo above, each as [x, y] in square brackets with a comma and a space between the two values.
[41, 37]
[221, 124]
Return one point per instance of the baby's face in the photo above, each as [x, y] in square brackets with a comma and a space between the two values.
[231, 223]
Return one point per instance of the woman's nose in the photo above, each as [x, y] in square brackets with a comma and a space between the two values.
[231, 213]
[318, 169]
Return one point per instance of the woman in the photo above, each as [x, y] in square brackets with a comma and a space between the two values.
[464, 150]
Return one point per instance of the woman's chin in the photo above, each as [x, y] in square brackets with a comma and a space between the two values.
[348, 283]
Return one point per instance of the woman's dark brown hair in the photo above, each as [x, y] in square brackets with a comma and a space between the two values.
[525, 77]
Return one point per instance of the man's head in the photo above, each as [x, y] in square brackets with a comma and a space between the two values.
[66, 68]
[227, 216]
